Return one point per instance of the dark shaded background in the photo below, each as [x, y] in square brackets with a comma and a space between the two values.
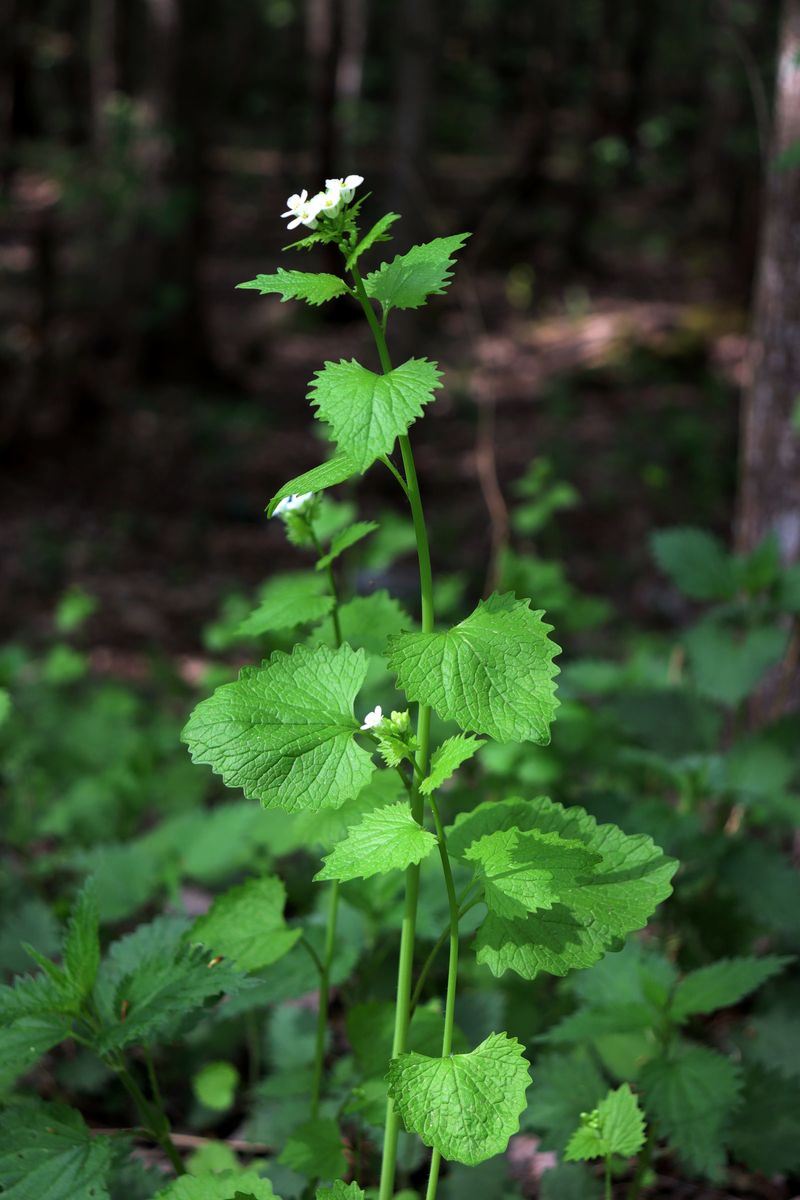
[607, 154]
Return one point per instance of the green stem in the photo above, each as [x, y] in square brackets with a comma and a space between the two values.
[153, 1118]
[324, 996]
[407, 932]
[326, 962]
[643, 1164]
[452, 973]
[437, 945]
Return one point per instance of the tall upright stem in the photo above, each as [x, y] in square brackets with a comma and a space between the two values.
[333, 903]
[407, 933]
[452, 973]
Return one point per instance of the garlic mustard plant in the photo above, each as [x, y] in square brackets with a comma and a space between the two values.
[554, 889]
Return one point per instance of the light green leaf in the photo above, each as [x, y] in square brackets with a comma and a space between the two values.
[246, 925]
[691, 1095]
[378, 233]
[82, 943]
[327, 475]
[341, 1191]
[424, 270]
[315, 1150]
[447, 758]
[227, 1185]
[313, 287]
[368, 412]
[48, 1153]
[287, 601]
[592, 914]
[344, 540]
[466, 1106]
[388, 839]
[328, 826]
[284, 732]
[524, 872]
[697, 563]
[492, 673]
[215, 1085]
[212, 1159]
[367, 622]
[723, 983]
[616, 1126]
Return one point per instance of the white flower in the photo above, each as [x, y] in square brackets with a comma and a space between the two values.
[330, 201]
[373, 719]
[346, 186]
[304, 210]
[292, 503]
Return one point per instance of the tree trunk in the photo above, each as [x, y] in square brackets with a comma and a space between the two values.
[769, 495]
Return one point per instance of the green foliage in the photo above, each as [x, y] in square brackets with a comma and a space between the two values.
[592, 912]
[466, 1106]
[765, 1132]
[692, 1094]
[368, 412]
[246, 925]
[286, 602]
[82, 944]
[723, 983]
[227, 1185]
[215, 1085]
[727, 665]
[408, 280]
[314, 288]
[344, 540]
[522, 873]
[315, 1150]
[492, 673]
[388, 839]
[284, 732]
[616, 1126]
[47, 1152]
[696, 562]
[341, 1191]
[447, 758]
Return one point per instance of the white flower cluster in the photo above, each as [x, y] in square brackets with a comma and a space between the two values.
[292, 503]
[373, 719]
[306, 210]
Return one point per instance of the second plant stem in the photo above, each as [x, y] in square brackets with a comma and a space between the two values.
[452, 974]
[326, 963]
[408, 929]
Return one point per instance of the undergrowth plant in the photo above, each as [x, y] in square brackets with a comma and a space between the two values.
[557, 890]
[405, 758]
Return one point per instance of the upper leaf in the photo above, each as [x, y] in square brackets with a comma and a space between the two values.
[378, 233]
[723, 983]
[388, 839]
[368, 412]
[47, 1152]
[344, 540]
[696, 562]
[328, 474]
[466, 1106]
[616, 1126]
[524, 872]
[492, 673]
[246, 924]
[284, 732]
[314, 288]
[447, 758]
[286, 601]
[424, 270]
[692, 1095]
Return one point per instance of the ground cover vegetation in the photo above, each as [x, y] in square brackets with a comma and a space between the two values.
[453, 912]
